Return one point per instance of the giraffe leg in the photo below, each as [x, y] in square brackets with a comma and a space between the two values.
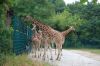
[44, 55]
[47, 54]
[55, 51]
[51, 54]
[50, 47]
[35, 53]
[58, 56]
[39, 51]
[59, 53]
[34, 50]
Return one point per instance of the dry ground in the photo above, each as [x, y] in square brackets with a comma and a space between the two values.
[74, 58]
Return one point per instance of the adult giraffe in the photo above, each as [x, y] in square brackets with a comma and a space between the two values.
[54, 35]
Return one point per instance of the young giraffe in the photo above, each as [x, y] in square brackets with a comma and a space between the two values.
[36, 39]
[46, 44]
[34, 33]
[39, 40]
[56, 36]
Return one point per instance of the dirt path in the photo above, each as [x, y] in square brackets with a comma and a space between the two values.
[88, 54]
[75, 58]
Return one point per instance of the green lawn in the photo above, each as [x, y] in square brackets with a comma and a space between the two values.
[96, 51]
[22, 60]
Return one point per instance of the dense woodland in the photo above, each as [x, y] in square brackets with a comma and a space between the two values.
[84, 17]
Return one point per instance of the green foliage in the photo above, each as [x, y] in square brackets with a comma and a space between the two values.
[5, 37]
[83, 1]
[82, 17]
[65, 19]
[59, 5]
[5, 44]
[94, 1]
[2, 59]
[2, 1]
[39, 9]
[89, 34]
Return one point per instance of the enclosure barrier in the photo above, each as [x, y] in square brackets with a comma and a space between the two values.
[21, 35]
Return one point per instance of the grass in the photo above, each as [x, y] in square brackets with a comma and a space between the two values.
[22, 60]
[96, 51]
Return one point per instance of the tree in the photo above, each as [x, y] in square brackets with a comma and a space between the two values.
[64, 19]
[89, 33]
[39, 9]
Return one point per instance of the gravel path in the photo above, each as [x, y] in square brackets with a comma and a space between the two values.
[70, 58]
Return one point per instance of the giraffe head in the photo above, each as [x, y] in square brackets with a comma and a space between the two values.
[72, 28]
[34, 27]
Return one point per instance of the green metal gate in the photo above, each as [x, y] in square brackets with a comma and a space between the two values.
[21, 35]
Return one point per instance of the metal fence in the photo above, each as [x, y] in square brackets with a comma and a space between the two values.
[21, 35]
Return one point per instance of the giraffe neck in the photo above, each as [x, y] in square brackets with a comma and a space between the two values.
[35, 31]
[64, 33]
[40, 25]
[44, 28]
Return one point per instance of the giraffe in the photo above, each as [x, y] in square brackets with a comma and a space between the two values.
[34, 33]
[36, 39]
[39, 40]
[54, 35]
[47, 46]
